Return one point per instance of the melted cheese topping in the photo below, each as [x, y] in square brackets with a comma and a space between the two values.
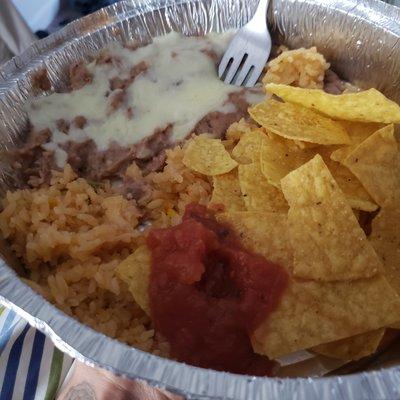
[179, 87]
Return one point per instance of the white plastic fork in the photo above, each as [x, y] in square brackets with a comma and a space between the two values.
[248, 51]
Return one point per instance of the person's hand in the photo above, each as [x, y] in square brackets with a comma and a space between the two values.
[87, 383]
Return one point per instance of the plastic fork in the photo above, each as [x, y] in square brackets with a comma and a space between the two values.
[248, 51]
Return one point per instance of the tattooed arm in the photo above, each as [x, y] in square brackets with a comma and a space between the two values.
[87, 383]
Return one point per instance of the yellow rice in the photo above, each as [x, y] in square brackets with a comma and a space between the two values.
[72, 237]
[301, 67]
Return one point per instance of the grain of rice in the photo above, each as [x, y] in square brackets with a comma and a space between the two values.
[301, 67]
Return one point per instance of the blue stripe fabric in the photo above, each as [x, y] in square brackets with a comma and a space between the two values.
[12, 366]
[7, 330]
[26, 361]
[34, 364]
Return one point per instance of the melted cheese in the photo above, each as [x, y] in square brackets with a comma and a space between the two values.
[179, 88]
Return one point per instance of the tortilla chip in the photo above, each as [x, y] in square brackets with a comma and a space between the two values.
[327, 240]
[258, 194]
[280, 156]
[352, 348]
[247, 150]
[355, 193]
[227, 192]
[263, 233]
[385, 238]
[135, 272]
[299, 123]
[357, 197]
[395, 325]
[366, 106]
[311, 313]
[339, 155]
[376, 163]
[238, 129]
[208, 156]
[358, 132]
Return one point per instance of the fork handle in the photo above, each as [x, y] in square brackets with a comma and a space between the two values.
[261, 12]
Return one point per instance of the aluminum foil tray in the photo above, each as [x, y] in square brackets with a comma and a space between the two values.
[362, 41]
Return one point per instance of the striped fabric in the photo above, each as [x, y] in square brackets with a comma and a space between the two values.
[31, 367]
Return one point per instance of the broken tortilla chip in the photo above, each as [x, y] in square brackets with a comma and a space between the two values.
[227, 192]
[208, 156]
[339, 155]
[311, 313]
[247, 150]
[358, 132]
[280, 156]
[298, 123]
[135, 272]
[238, 129]
[385, 239]
[322, 226]
[258, 193]
[355, 193]
[262, 233]
[352, 348]
[365, 106]
[376, 163]
[395, 325]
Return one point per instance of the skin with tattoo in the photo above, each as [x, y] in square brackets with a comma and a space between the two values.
[82, 391]
[87, 383]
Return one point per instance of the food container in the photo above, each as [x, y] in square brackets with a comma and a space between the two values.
[360, 39]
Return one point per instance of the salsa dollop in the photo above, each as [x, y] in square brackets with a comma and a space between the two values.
[208, 293]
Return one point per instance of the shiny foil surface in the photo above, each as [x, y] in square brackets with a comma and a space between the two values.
[362, 41]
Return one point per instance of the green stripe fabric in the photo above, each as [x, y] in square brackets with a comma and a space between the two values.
[55, 374]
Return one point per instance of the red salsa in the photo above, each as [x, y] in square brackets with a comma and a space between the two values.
[208, 293]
